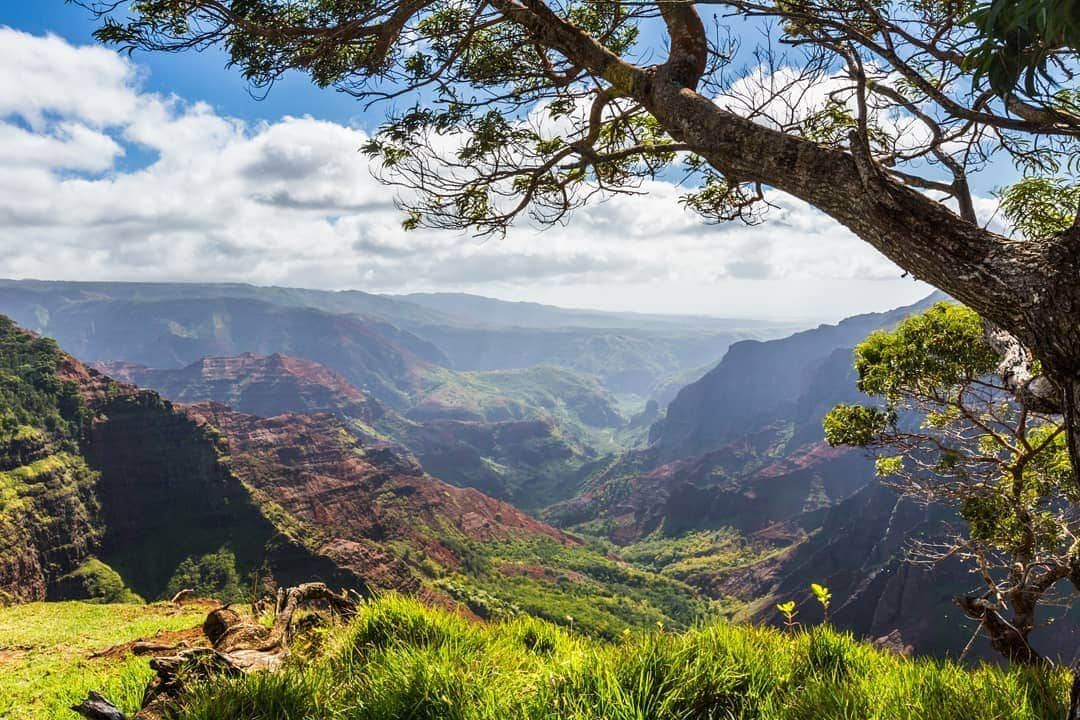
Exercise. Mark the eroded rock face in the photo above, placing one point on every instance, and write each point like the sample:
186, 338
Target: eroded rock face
758, 382
863, 553
529, 463
148, 484
350, 502
260, 385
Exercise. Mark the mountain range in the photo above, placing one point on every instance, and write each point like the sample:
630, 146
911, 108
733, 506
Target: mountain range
494, 457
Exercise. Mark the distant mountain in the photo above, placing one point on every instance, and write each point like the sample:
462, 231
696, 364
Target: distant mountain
630, 353
626, 360
17, 297
743, 447
475, 309
757, 382
375, 356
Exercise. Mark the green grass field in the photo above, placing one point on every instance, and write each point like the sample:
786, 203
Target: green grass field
45, 648
399, 660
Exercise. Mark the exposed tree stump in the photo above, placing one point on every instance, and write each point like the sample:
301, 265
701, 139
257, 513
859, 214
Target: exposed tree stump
239, 646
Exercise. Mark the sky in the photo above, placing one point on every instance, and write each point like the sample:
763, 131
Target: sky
165, 167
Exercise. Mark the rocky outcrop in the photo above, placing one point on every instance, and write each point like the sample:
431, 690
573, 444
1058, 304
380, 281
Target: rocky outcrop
350, 504
720, 489
255, 384
863, 553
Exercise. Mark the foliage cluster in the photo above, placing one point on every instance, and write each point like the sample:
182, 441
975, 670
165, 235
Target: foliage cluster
577, 586
947, 430
32, 397
691, 554
212, 575
101, 583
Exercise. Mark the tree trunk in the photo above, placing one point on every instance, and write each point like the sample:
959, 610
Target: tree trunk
1008, 639
1071, 392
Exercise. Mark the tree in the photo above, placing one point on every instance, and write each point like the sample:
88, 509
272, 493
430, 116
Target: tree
869, 110
945, 430
1022, 38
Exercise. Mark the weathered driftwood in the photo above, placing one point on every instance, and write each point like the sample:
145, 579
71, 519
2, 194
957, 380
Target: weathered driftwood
239, 645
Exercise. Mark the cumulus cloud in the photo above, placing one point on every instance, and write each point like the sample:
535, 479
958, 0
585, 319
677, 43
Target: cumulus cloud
291, 201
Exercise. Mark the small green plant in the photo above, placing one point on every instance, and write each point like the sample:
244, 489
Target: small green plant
823, 596
787, 609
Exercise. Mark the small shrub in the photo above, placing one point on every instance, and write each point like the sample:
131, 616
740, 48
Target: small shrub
96, 581
212, 575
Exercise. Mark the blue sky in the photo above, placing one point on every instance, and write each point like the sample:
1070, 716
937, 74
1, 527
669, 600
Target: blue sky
163, 167
201, 76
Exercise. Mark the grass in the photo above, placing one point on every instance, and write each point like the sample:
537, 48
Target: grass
399, 660
45, 648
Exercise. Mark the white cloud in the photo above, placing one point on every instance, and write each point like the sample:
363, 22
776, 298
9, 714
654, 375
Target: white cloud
41, 75
292, 202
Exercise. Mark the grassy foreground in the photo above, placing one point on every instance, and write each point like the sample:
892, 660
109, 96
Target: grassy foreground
401, 661
45, 648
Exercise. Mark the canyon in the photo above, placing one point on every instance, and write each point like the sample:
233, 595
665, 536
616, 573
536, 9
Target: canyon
446, 447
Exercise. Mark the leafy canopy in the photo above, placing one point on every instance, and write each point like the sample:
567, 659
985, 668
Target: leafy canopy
508, 107
945, 430
1022, 39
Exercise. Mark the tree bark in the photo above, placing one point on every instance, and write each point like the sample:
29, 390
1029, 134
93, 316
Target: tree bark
1072, 424
1006, 638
